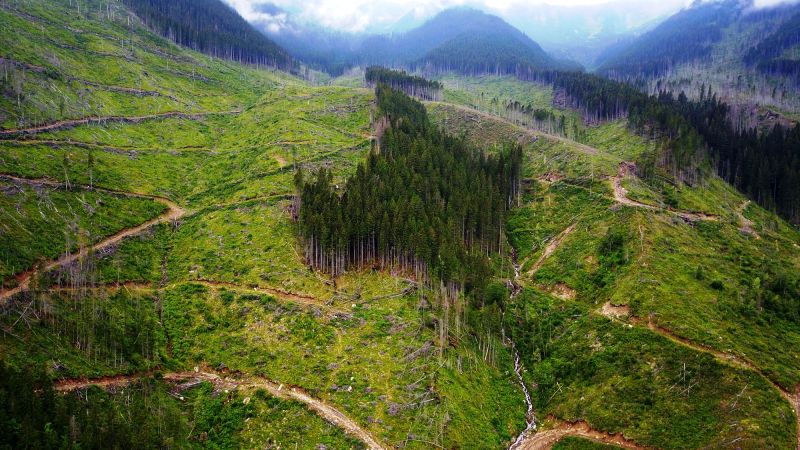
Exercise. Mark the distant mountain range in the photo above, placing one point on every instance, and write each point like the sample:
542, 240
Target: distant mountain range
455, 38
747, 55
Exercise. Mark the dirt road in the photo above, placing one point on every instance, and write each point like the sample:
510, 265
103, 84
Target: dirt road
619, 312
551, 247
544, 440
173, 212
324, 410
626, 169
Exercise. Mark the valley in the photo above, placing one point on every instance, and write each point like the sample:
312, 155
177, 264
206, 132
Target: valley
162, 285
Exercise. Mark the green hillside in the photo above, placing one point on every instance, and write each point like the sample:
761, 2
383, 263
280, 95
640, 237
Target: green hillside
148, 247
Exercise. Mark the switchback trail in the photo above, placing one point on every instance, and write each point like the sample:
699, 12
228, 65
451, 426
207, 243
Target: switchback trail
324, 410
544, 440
70, 123
173, 212
621, 196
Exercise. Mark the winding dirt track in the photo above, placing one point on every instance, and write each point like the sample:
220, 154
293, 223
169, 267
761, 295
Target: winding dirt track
63, 124
545, 440
792, 398
621, 196
550, 248
324, 410
173, 212
286, 296
303, 299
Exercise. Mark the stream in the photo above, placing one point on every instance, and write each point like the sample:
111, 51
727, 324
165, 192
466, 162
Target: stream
530, 416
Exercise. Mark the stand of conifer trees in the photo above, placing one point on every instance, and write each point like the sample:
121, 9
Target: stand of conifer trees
765, 166
211, 27
696, 136
412, 85
424, 203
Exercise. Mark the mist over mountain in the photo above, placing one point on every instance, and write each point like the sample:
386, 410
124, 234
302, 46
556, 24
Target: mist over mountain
478, 224
456, 36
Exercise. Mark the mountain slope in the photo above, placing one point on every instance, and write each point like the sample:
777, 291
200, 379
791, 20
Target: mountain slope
743, 54
458, 37
686, 36
126, 326
211, 27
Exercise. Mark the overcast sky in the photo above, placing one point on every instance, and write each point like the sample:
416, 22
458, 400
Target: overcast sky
366, 15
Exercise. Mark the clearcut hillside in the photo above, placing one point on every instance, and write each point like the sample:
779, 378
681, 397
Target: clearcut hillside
155, 291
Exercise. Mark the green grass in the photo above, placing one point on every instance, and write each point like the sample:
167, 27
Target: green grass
78, 48
377, 357
41, 223
91, 334
376, 362
628, 379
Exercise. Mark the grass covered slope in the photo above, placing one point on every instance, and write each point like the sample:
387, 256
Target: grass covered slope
42, 222
93, 61
220, 314
224, 287
688, 289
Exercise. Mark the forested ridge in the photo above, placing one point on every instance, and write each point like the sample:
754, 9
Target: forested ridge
424, 203
412, 85
460, 38
696, 136
476, 54
765, 166
686, 36
211, 27
599, 99
768, 55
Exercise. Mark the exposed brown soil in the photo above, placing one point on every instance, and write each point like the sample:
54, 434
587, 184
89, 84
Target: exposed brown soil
615, 311
746, 224
302, 299
563, 291
550, 248
550, 177
324, 410
173, 212
612, 312
627, 169
793, 399
544, 440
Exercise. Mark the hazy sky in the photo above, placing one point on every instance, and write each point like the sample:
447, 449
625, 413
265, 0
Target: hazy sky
365, 15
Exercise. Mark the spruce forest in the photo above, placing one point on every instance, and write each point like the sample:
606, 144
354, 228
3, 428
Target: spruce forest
333, 225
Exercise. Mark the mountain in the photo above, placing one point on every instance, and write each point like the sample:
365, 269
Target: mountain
211, 27
745, 54
470, 41
462, 38
201, 253
687, 36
